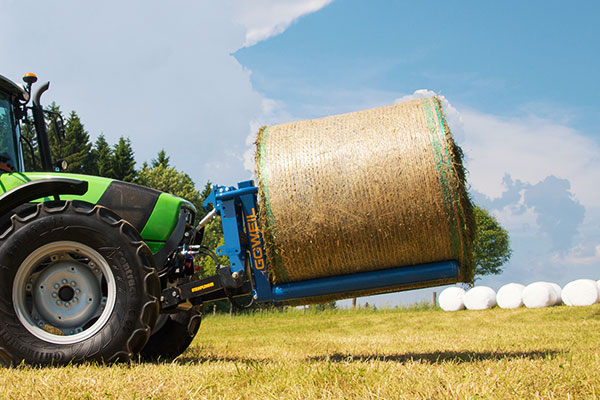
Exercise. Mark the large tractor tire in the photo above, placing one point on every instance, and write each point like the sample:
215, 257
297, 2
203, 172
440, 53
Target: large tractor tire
77, 283
172, 335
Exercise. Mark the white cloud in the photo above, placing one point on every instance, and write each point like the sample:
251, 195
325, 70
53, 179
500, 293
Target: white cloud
529, 149
582, 254
517, 218
272, 112
263, 19
160, 74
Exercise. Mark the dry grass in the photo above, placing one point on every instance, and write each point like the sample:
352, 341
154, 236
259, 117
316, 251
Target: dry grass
548, 353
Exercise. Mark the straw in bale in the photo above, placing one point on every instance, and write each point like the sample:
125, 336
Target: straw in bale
364, 191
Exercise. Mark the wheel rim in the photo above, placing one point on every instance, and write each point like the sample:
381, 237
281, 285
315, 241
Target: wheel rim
64, 292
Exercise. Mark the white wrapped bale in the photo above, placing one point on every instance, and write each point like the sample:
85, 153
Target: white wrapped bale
598, 282
451, 299
538, 295
510, 296
557, 295
582, 292
480, 298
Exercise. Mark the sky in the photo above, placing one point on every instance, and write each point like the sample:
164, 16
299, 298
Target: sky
518, 80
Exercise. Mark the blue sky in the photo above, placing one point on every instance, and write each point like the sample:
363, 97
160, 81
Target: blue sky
503, 57
518, 79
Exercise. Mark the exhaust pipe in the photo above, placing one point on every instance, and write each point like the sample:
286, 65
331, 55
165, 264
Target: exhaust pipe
40, 128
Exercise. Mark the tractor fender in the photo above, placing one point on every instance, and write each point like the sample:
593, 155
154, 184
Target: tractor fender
34, 190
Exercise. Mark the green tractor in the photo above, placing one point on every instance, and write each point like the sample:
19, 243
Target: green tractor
84, 259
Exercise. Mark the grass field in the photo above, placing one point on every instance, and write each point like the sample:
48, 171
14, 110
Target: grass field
551, 353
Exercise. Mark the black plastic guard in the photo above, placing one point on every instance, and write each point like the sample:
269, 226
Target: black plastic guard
131, 202
34, 190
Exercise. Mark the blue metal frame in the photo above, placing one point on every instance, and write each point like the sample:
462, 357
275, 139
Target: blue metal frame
239, 217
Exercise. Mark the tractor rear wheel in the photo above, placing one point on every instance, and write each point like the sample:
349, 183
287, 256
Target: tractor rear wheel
77, 283
172, 335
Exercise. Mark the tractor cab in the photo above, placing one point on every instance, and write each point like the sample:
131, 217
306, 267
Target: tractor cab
12, 99
14, 109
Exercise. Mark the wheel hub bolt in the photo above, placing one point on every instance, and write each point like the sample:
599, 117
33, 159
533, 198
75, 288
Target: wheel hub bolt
77, 291
56, 286
65, 281
73, 283
58, 302
54, 294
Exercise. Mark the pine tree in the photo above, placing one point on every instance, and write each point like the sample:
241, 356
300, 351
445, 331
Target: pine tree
103, 157
76, 147
161, 159
57, 142
123, 161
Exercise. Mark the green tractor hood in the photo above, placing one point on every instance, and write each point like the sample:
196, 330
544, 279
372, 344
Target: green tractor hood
154, 214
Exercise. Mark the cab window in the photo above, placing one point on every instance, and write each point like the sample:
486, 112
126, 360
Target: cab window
8, 144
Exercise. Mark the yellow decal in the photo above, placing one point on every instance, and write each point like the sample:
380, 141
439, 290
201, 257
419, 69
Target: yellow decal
255, 241
206, 286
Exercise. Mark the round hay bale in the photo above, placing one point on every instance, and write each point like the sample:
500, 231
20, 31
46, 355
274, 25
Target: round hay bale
538, 295
510, 295
557, 293
451, 299
480, 298
364, 191
582, 292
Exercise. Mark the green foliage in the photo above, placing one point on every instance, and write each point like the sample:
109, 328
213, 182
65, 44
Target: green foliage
161, 159
169, 180
76, 148
491, 248
31, 154
103, 156
54, 137
323, 307
123, 161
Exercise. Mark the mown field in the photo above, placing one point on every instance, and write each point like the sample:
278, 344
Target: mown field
551, 353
